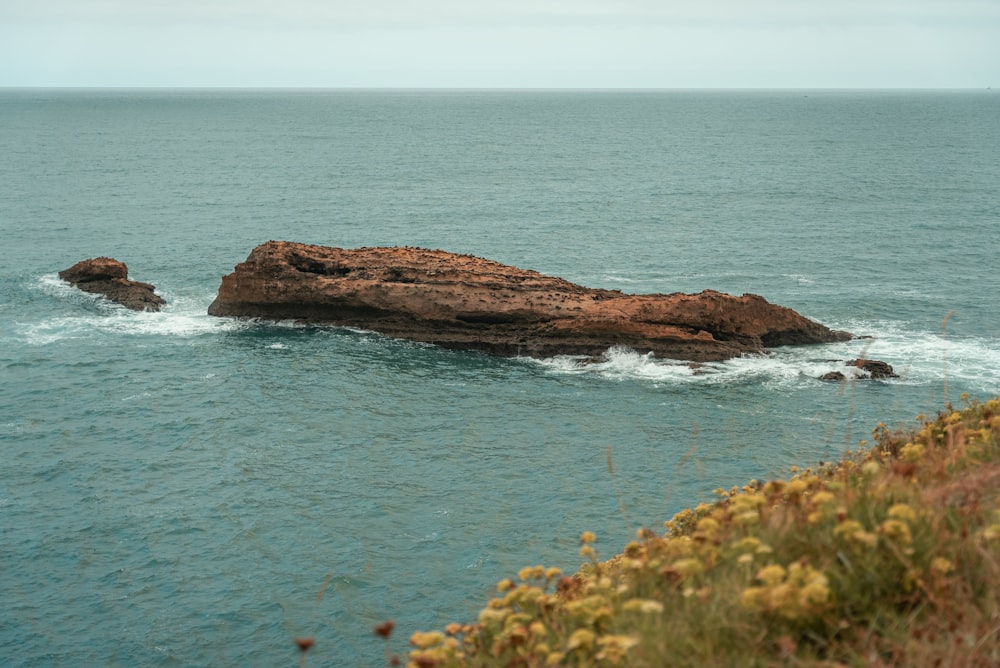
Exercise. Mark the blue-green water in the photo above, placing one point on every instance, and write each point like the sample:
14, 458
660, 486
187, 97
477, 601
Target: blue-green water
177, 489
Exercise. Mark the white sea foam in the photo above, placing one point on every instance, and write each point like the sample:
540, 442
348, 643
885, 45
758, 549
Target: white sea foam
181, 317
613, 278
52, 285
919, 358
128, 323
620, 364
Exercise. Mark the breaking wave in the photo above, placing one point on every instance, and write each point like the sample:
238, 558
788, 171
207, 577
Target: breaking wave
182, 316
919, 358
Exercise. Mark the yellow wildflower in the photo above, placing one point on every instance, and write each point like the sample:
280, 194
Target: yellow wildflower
901, 511
815, 592
433, 657
774, 487
912, 452
651, 607
795, 488
785, 600
614, 647
847, 529
866, 538
822, 498
754, 598
941, 566
516, 620
742, 502
688, 567
771, 575
871, 468
581, 638
707, 525
897, 531
587, 607
588, 537
425, 640
492, 615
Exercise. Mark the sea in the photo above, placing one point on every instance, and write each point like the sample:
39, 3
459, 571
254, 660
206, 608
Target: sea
183, 490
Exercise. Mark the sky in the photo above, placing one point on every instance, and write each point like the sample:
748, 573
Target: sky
501, 44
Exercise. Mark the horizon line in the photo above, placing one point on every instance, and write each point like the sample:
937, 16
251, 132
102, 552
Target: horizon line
495, 88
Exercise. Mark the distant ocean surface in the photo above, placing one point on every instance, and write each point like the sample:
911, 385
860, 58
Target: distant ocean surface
181, 490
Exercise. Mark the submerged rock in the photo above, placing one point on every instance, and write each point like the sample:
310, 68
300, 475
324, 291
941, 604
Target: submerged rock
109, 277
466, 302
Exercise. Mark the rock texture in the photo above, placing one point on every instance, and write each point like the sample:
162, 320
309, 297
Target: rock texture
466, 302
109, 277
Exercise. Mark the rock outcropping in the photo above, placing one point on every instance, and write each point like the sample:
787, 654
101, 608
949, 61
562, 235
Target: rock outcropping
109, 277
466, 302
876, 369
863, 368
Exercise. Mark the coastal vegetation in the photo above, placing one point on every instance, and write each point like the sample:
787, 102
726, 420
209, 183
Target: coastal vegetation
890, 557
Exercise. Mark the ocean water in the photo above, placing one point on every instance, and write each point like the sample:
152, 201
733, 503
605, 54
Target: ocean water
181, 490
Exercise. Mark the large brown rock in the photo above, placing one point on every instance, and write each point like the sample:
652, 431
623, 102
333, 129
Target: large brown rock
466, 302
109, 277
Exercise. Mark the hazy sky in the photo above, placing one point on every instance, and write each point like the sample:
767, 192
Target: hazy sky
503, 43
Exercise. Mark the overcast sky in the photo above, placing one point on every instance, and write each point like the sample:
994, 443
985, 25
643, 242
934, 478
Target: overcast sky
502, 43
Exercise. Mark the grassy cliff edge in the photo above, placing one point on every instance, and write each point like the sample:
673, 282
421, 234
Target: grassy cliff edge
890, 557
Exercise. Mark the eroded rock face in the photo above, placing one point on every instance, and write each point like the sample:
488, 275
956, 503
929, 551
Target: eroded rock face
466, 302
109, 277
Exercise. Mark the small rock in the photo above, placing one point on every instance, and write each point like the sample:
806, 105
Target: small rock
876, 369
109, 277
